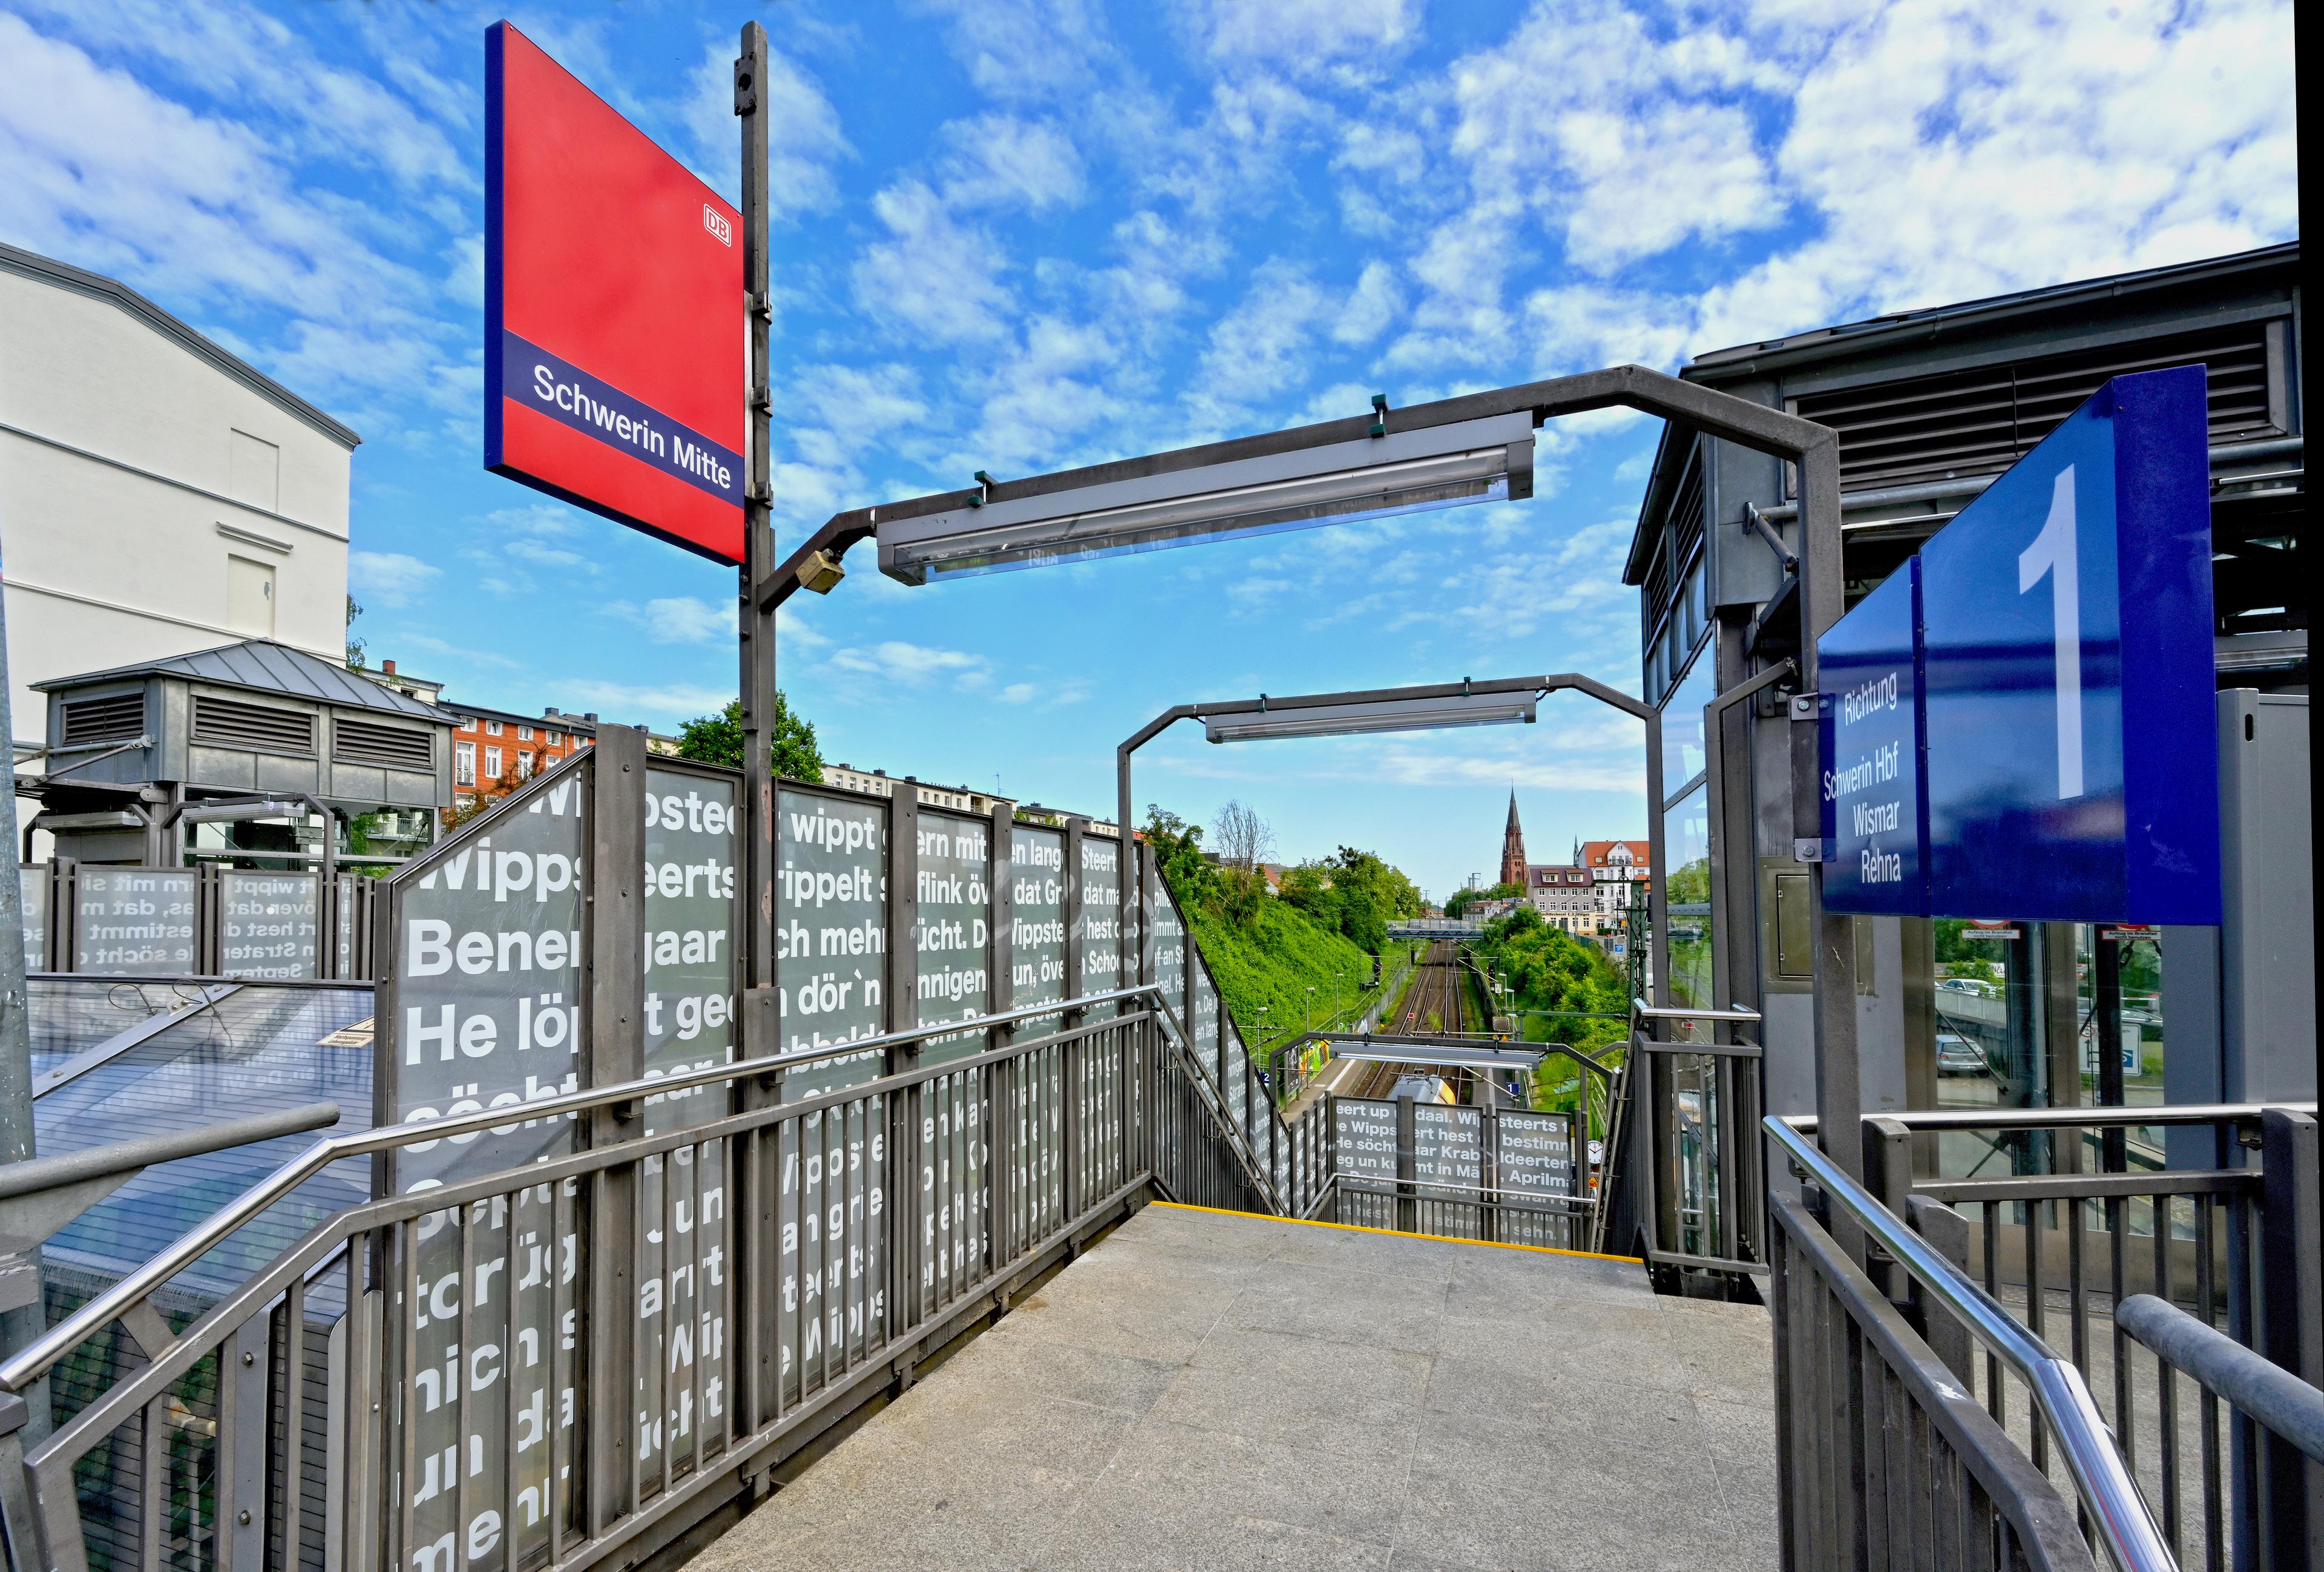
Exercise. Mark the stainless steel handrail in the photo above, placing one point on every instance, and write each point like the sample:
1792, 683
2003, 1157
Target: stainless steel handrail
1673, 1012
61, 1339
2110, 1495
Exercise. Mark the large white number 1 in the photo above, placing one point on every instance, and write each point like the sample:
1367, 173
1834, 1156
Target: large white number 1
2053, 553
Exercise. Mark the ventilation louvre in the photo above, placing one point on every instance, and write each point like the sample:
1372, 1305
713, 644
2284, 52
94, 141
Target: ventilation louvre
117, 718
1981, 421
391, 747
231, 723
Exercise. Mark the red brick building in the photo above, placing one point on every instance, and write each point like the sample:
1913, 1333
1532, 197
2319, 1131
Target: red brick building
496, 750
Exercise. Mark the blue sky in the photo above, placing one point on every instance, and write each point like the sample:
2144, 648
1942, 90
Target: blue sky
1014, 237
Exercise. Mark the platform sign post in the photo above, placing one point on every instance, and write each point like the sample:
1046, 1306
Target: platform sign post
2063, 684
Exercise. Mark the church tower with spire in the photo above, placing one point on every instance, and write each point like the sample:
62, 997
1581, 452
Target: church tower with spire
1513, 858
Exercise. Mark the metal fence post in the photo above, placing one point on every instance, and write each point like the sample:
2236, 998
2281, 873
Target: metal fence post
1000, 956
1075, 1059
2291, 1488
1889, 1175
999, 992
616, 1053
1947, 1231
1408, 1140
1489, 1166
904, 1182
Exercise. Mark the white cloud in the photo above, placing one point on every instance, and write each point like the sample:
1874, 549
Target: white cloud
1018, 693
1261, 347
896, 660
932, 274
245, 57
1622, 133
389, 577
1026, 50
207, 212
1005, 161
1925, 160
1302, 36
1371, 306
804, 139
436, 646
1402, 765
665, 706
679, 620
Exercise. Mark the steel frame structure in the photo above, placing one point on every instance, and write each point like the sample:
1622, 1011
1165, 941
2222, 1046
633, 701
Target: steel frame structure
1812, 449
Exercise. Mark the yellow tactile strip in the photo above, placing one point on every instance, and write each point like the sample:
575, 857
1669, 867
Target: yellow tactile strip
1394, 1234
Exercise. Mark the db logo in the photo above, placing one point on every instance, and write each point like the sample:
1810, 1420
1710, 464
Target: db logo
715, 222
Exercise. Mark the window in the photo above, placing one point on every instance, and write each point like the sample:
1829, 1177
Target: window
1689, 828
525, 733
552, 738
525, 762
491, 764
1684, 753
464, 763
492, 728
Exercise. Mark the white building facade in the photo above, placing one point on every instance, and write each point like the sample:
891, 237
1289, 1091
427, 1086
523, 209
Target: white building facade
158, 495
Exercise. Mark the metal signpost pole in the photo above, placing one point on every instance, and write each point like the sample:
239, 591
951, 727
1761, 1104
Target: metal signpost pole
757, 1025
757, 853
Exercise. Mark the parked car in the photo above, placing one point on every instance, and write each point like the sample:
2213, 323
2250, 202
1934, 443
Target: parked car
1970, 985
1958, 1056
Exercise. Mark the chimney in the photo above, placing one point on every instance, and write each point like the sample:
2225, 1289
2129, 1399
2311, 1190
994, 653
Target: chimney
591, 716
387, 668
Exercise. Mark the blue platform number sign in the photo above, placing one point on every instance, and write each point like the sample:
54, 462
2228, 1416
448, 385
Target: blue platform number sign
1874, 811
2069, 770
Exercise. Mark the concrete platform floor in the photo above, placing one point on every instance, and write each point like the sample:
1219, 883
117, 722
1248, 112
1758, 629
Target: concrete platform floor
1207, 1390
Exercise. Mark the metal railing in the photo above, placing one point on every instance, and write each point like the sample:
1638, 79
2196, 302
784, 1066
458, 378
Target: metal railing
1506, 1202
574, 1362
1694, 1109
2289, 1407
1872, 1418
2236, 1246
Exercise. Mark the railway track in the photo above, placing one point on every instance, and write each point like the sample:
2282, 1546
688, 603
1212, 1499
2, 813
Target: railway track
1439, 1001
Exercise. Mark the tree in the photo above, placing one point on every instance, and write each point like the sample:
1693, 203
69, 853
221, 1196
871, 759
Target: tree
1242, 838
1353, 892
717, 739
1179, 853
1463, 899
354, 644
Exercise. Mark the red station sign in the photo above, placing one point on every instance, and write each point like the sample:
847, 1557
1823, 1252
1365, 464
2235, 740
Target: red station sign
613, 311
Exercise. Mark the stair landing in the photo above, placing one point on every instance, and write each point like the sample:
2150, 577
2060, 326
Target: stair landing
1209, 1390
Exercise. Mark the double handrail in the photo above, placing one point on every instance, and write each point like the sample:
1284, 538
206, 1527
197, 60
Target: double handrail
29, 1365
2110, 1495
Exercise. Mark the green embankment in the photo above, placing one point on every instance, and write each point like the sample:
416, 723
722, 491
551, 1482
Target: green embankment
1567, 991
1273, 960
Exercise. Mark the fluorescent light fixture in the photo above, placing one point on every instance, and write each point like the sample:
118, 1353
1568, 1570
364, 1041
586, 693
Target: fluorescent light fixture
1394, 715
1432, 466
1437, 1053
